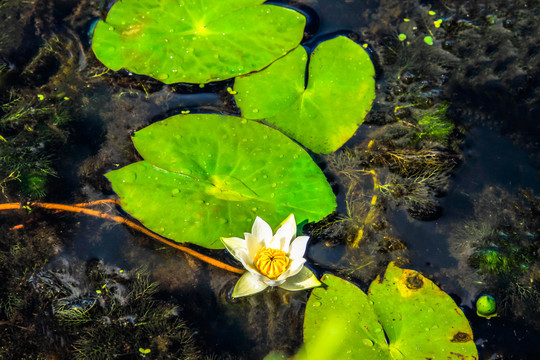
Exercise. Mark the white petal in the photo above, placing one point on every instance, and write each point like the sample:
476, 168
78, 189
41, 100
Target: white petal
249, 266
288, 223
266, 279
298, 247
235, 246
285, 233
248, 285
273, 282
294, 268
305, 279
253, 245
261, 230
275, 243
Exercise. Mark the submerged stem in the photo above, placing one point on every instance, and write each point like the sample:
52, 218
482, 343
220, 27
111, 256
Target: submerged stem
81, 209
372, 213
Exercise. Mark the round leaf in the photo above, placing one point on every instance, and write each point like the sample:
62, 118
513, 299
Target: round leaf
326, 113
340, 323
208, 176
195, 41
419, 318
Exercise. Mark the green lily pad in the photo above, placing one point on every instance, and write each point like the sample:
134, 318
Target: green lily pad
197, 185
340, 321
323, 115
195, 41
419, 320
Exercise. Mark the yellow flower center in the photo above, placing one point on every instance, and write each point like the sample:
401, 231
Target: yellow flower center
271, 262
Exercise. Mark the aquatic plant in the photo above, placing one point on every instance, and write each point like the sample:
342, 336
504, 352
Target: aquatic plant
21, 256
34, 183
30, 137
195, 41
115, 312
435, 125
321, 111
339, 69
404, 315
385, 177
197, 186
502, 257
380, 175
271, 259
500, 246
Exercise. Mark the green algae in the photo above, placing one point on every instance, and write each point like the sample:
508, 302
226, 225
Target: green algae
435, 124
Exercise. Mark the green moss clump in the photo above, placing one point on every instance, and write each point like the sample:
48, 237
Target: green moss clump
491, 261
435, 125
29, 139
503, 255
34, 184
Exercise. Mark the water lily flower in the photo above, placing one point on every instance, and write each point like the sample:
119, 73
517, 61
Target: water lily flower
271, 260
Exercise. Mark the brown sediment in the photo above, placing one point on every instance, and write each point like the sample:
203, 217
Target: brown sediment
81, 209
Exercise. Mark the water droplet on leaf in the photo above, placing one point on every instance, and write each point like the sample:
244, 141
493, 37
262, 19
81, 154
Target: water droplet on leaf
367, 342
162, 77
130, 176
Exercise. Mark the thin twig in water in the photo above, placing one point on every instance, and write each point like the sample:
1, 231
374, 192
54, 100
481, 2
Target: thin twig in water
79, 208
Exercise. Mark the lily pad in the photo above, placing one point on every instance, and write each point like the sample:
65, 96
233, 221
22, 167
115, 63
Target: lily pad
419, 320
197, 185
342, 313
323, 115
195, 41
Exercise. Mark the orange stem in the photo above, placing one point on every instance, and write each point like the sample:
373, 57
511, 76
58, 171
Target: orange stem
10, 206
129, 223
86, 204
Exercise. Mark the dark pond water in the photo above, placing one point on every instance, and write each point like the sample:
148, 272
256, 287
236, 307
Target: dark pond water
462, 194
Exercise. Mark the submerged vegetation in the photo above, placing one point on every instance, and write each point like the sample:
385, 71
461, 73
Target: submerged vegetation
31, 134
84, 310
435, 125
502, 247
399, 166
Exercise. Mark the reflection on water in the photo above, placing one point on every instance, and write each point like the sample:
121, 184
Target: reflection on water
447, 203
